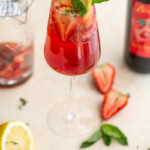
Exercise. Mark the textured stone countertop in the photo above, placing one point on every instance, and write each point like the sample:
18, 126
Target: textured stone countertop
46, 87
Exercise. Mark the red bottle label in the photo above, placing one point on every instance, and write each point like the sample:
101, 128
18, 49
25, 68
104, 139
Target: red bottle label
140, 29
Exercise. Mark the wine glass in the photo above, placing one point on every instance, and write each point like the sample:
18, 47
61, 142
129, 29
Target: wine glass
72, 48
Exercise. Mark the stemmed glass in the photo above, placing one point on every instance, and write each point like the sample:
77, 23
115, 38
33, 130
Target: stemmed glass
72, 48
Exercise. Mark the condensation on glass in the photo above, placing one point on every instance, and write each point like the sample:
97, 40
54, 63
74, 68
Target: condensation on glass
16, 41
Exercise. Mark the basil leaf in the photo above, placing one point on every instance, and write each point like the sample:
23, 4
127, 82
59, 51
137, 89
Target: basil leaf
78, 5
99, 1
93, 139
114, 132
107, 140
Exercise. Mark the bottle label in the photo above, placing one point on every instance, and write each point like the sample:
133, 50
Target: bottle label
140, 29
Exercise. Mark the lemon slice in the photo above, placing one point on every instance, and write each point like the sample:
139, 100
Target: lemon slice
87, 3
15, 135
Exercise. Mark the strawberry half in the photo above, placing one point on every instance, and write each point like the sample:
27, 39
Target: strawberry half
113, 102
104, 76
64, 24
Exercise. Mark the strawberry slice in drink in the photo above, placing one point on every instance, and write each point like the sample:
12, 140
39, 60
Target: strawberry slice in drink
113, 102
65, 23
104, 77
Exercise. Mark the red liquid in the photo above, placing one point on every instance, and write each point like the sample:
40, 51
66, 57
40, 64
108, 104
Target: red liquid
15, 60
78, 53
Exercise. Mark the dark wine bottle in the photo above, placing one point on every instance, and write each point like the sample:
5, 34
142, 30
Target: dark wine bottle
137, 49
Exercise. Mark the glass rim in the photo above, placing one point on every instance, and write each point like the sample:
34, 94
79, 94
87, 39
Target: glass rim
55, 8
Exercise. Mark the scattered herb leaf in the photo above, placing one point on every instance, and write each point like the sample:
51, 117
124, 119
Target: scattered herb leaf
114, 132
23, 103
107, 140
106, 131
93, 139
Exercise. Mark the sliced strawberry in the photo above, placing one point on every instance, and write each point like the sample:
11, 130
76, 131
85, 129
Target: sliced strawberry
64, 24
104, 76
113, 102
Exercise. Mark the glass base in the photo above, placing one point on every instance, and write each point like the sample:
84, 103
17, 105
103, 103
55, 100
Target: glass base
73, 120
4, 82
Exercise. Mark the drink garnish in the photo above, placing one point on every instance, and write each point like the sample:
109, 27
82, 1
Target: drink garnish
113, 102
23, 103
106, 132
103, 76
99, 1
78, 5
82, 6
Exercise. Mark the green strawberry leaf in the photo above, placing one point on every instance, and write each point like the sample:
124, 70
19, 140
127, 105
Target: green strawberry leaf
93, 139
107, 140
114, 132
99, 1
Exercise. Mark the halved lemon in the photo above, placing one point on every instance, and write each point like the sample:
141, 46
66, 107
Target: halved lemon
15, 135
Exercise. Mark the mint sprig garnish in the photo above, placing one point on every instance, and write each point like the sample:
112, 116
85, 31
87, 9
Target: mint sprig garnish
79, 7
93, 139
106, 132
99, 1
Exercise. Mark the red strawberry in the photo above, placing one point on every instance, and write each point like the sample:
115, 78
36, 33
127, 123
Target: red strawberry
104, 76
113, 102
64, 24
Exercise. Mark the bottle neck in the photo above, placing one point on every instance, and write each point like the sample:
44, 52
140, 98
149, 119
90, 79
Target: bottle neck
144, 1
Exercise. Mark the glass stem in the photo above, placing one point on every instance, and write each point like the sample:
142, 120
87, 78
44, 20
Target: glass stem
71, 115
71, 89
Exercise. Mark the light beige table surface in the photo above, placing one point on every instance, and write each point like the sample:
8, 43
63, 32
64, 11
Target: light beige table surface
46, 87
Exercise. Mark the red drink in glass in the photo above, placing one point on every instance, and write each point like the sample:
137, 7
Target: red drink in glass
72, 48
72, 43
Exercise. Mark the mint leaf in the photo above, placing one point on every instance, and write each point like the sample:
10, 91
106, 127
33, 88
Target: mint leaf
122, 141
10, 60
107, 140
93, 139
82, 12
99, 1
78, 5
114, 132
12, 142
23, 103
